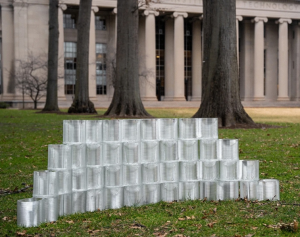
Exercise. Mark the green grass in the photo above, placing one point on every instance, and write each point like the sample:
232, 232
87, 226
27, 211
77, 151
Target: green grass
24, 138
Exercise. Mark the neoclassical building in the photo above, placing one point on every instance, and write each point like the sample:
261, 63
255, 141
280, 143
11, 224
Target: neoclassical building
170, 46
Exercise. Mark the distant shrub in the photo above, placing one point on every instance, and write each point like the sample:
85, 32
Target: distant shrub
3, 105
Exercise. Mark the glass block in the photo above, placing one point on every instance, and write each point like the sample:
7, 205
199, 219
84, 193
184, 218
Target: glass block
187, 128
268, 189
228, 149
59, 157
208, 149
45, 183
150, 173
93, 131
209, 128
113, 175
148, 129
249, 169
94, 155
79, 179
169, 172
229, 170
228, 190
94, 200
114, 197
131, 174
188, 150
112, 153
149, 151
50, 209
248, 189
130, 152
188, 170
29, 212
64, 181
74, 131
168, 150
133, 196
111, 130
167, 129
64, 204
95, 177
208, 190
151, 193
130, 129
208, 170
79, 202
189, 190
170, 192
78, 156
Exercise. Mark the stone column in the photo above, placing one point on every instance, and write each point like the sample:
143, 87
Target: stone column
197, 59
92, 56
150, 56
61, 54
238, 18
283, 93
259, 57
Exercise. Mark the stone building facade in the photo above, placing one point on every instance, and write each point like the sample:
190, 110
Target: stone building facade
170, 46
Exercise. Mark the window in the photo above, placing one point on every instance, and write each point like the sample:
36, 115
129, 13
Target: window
70, 21
101, 51
70, 67
100, 23
187, 59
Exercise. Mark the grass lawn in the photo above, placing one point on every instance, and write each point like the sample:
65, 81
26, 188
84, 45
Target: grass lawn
24, 139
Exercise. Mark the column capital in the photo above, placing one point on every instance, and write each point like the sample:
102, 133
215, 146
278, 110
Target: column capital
283, 20
257, 19
63, 6
239, 18
95, 9
176, 14
20, 3
148, 12
114, 11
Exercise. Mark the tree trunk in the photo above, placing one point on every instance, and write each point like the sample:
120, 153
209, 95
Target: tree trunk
51, 99
126, 100
81, 102
220, 80
35, 104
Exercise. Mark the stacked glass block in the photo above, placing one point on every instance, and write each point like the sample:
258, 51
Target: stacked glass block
108, 164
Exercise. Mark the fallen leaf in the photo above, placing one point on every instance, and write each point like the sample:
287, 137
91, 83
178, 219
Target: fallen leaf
160, 234
5, 218
296, 168
254, 228
21, 233
70, 222
249, 235
215, 210
181, 219
211, 225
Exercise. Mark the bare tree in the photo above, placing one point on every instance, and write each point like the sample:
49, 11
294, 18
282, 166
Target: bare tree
81, 102
220, 82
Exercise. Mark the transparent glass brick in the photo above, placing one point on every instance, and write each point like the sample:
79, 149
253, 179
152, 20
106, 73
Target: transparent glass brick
187, 128
170, 192
169, 172
94, 155
29, 212
45, 183
131, 174
113, 175
112, 153
94, 200
167, 129
59, 157
130, 129
111, 130
133, 196
228, 190
151, 193
188, 150
229, 170
208, 149
249, 170
64, 204
149, 151
189, 190
209, 128
93, 131
79, 202
95, 177
208, 190
64, 181
268, 189
74, 131
78, 155
114, 197
168, 150
228, 149
50, 209
188, 170
79, 179
208, 170
148, 129
131, 152
248, 189
150, 173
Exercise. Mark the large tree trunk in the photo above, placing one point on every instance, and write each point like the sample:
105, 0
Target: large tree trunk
51, 99
126, 100
81, 103
220, 81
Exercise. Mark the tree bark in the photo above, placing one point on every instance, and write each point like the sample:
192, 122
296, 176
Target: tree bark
51, 99
126, 100
220, 76
81, 102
